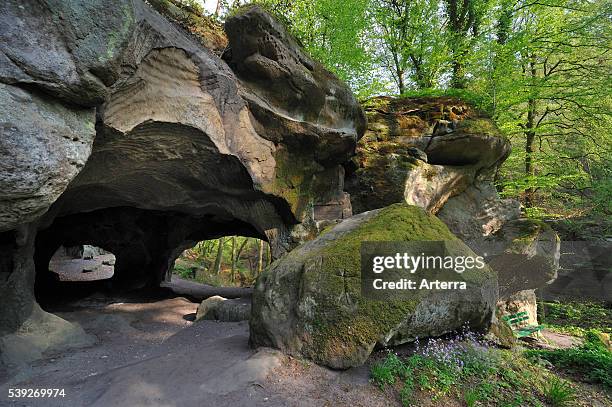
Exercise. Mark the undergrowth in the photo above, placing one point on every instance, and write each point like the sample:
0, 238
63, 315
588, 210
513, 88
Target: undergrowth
592, 361
465, 369
576, 318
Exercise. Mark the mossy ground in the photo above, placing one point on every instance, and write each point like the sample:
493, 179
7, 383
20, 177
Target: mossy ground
576, 317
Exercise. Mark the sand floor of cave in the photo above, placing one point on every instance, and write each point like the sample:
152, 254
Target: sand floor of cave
151, 353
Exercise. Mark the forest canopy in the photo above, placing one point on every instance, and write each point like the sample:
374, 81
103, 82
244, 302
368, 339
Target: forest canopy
540, 68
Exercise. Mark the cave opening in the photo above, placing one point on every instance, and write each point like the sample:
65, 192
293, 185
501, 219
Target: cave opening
229, 261
134, 254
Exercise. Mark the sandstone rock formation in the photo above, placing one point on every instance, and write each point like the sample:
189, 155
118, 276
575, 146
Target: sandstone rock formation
585, 272
441, 154
525, 254
309, 303
125, 129
422, 151
478, 211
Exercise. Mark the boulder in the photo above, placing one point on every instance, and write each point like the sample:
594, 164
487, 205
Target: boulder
221, 309
478, 212
422, 151
527, 256
207, 305
309, 302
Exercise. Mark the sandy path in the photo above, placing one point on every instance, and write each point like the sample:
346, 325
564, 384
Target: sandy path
151, 354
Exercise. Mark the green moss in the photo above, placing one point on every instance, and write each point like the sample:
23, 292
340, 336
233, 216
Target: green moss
342, 318
189, 15
293, 179
479, 101
528, 232
479, 126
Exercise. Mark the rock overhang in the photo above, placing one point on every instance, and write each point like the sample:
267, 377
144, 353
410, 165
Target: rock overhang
172, 140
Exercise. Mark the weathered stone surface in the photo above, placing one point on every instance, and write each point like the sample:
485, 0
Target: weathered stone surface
478, 212
188, 146
309, 303
585, 272
422, 151
221, 309
43, 146
430, 186
42, 333
530, 256
208, 305
209, 32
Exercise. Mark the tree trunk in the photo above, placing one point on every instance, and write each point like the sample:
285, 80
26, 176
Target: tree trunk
233, 257
218, 9
260, 257
530, 138
458, 79
400, 81
219, 258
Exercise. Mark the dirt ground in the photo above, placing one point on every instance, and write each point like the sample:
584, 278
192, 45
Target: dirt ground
150, 353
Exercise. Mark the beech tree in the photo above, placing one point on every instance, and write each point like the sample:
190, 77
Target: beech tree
412, 37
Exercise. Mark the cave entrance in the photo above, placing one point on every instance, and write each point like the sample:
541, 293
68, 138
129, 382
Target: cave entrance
230, 261
82, 263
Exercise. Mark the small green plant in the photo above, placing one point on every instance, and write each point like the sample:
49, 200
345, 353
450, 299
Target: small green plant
471, 397
463, 367
478, 100
575, 318
385, 372
592, 360
559, 393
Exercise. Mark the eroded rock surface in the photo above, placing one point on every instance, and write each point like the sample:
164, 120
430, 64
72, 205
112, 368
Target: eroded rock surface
309, 303
225, 310
478, 212
422, 151
142, 140
43, 145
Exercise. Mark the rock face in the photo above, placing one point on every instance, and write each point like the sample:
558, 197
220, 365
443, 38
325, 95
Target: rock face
441, 154
478, 212
585, 272
140, 139
423, 151
530, 257
43, 146
309, 303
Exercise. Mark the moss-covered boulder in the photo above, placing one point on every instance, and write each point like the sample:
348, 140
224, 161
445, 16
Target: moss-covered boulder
309, 303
